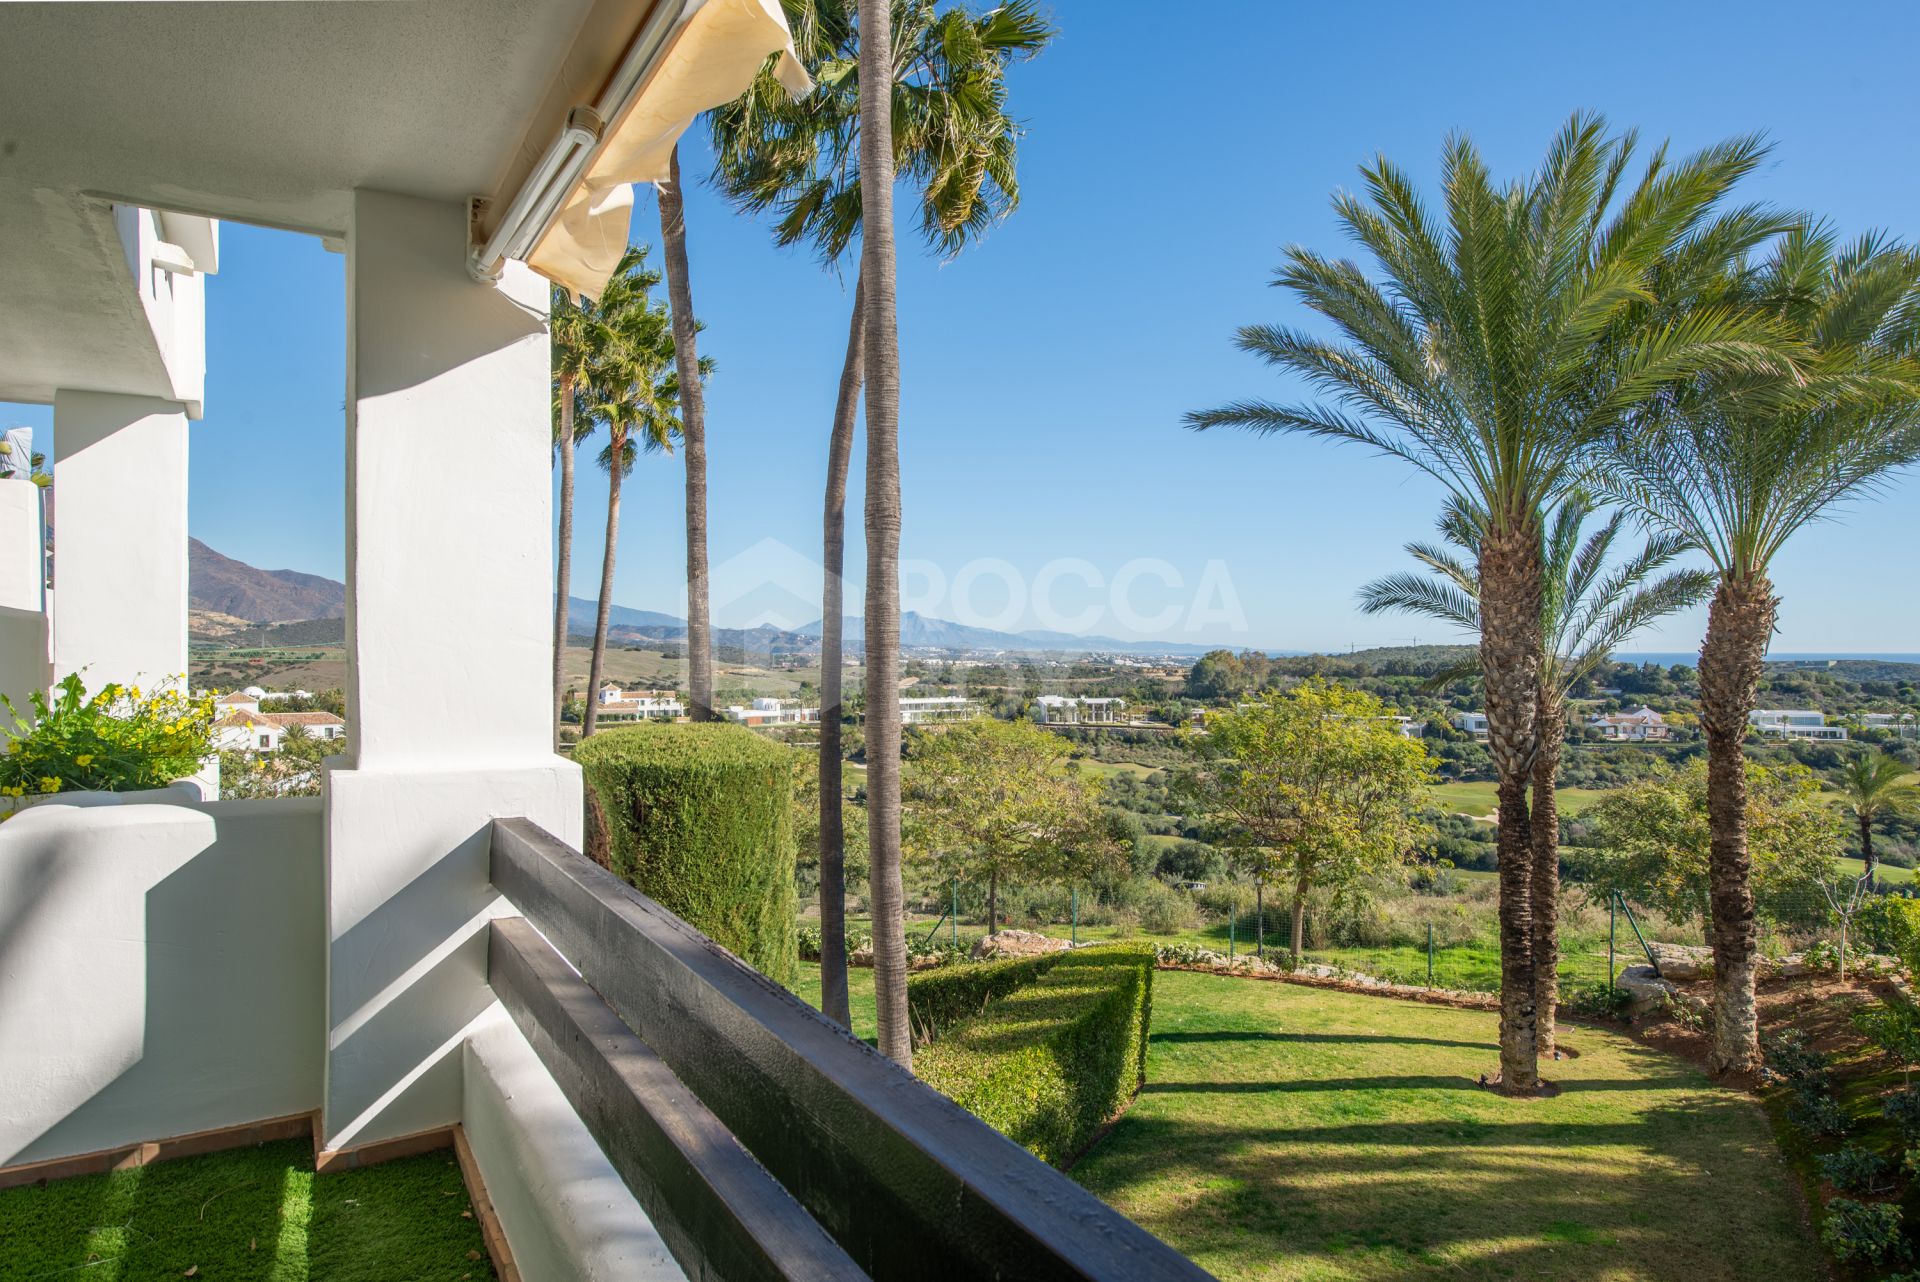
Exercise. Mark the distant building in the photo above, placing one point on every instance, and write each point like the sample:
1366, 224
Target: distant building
638, 705
1067, 710
1642, 725
928, 709
1473, 723
1900, 723
772, 712
240, 725
1408, 727
1795, 723
238, 730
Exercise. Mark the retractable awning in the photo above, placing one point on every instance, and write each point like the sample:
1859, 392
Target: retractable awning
572, 219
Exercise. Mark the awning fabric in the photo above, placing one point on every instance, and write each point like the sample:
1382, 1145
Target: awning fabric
719, 48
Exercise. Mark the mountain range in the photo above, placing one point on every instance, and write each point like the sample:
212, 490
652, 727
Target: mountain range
220, 585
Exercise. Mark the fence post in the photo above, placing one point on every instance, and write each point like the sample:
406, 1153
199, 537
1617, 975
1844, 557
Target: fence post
1075, 892
1610, 924
1233, 919
954, 934
1429, 954
1260, 919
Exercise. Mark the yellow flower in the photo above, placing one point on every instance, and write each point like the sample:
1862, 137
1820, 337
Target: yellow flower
84, 759
49, 784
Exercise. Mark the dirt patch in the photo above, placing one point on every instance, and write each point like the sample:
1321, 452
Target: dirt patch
1818, 1006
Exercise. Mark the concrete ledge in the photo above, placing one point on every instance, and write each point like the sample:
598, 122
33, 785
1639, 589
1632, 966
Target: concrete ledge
561, 1206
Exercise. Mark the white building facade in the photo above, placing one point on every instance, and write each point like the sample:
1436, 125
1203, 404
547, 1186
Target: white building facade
1069, 710
1795, 723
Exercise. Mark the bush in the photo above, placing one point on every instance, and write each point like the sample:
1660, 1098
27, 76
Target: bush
1790, 1055
698, 816
1854, 1170
1890, 924
1865, 1231
1894, 1027
938, 999
1597, 1000
1903, 1110
120, 740
1047, 1064
1818, 1114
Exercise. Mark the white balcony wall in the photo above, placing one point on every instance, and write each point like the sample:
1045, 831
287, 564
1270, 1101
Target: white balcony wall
169, 256
163, 967
23, 619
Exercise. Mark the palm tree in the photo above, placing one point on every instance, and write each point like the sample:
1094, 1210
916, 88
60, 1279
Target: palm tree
800, 159
1588, 611
1735, 465
693, 415
634, 390
1875, 786
881, 354
574, 330
1489, 358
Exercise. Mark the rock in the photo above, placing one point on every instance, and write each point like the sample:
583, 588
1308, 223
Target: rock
1681, 964
1648, 992
1018, 943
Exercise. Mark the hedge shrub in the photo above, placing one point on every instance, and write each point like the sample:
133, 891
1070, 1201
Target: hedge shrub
699, 817
938, 999
1047, 1063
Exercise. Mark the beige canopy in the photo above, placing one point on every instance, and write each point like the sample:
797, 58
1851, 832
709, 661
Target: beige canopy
719, 47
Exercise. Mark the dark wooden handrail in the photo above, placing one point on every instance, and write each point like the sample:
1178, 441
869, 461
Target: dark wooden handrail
909, 1184
716, 1208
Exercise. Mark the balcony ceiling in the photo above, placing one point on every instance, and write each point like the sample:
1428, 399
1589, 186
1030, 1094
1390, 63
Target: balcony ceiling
265, 112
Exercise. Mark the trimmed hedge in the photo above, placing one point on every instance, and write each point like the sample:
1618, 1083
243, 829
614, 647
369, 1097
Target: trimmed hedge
699, 816
1049, 1063
938, 999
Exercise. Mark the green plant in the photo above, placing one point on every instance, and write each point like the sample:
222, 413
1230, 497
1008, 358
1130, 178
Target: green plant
1047, 1064
1164, 910
1818, 1113
697, 816
1682, 1012
1902, 1108
1822, 954
11, 466
1854, 1170
122, 739
1597, 1000
1863, 1231
941, 998
1791, 1056
1894, 1027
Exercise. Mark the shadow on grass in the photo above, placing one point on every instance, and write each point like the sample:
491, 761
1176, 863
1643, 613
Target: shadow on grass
1402, 1082
1330, 1039
1668, 1193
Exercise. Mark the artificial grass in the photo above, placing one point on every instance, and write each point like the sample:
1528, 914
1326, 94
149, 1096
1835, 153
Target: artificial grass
256, 1213
1289, 1134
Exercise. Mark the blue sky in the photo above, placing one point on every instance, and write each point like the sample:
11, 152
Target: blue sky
1046, 371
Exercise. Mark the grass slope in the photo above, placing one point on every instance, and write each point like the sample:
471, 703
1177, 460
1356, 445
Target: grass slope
1296, 1135
255, 1213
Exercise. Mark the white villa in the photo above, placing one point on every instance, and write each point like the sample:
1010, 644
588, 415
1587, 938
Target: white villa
1642, 725
241, 726
1408, 727
1473, 723
1901, 723
1067, 710
927, 709
617, 704
1795, 723
773, 712
420, 958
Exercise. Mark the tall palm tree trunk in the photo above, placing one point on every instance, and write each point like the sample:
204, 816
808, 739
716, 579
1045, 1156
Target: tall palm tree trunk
563, 573
1867, 856
1545, 821
1510, 652
693, 439
882, 357
833, 836
1739, 624
606, 592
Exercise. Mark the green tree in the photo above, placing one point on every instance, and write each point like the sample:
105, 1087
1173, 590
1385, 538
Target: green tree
633, 389
1736, 465
1319, 786
1874, 786
1652, 840
577, 338
998, 799
1592, 604
954, 143
1506, 335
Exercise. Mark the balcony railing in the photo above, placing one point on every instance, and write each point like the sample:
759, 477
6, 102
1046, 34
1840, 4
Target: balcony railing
764, 1140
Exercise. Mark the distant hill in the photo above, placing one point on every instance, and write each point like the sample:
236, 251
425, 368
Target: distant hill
920, 632
581, 616
221, 585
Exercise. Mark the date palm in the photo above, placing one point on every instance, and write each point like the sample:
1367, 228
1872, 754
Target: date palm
1872, 787
1500, 342
575, 336
1736, 465
1592, 603
954, 143
633, 390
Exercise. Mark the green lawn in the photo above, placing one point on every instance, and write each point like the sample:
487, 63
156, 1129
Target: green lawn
1295, 1134
254, 1213
1478, 798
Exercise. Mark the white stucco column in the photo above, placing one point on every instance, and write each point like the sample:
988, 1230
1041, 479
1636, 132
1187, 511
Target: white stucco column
121, 560
449, 621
